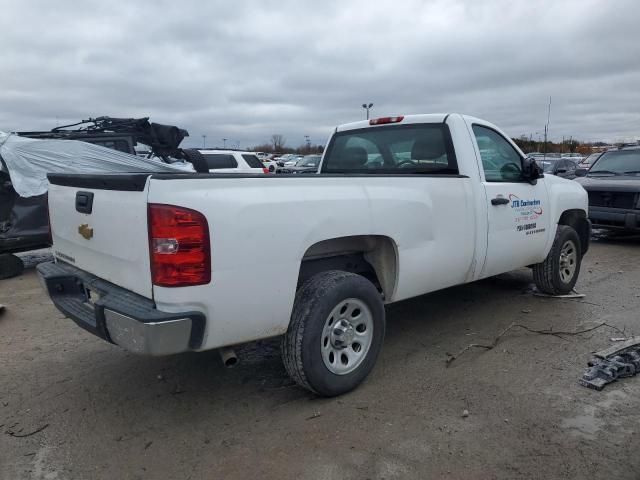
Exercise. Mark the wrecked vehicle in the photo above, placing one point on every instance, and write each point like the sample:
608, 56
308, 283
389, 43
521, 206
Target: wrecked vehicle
99, 145
402, 206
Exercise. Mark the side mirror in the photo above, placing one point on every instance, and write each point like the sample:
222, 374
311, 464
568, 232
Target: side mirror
581, 172
531, 171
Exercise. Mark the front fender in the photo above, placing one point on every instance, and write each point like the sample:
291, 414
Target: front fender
564, 195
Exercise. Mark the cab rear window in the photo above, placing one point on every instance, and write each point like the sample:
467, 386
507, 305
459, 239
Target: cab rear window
406, 149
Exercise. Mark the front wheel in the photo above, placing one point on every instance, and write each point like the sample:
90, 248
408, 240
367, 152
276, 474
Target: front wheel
336, 333
558, 274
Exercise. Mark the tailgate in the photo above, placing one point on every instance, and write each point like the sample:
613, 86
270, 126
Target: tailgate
99, 225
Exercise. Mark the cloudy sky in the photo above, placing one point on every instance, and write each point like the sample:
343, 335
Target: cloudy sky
246, 70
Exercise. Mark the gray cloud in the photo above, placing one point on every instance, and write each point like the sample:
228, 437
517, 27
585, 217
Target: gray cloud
245, 70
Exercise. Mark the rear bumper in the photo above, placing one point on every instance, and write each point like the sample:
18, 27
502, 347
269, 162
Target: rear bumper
118, 315
615, 218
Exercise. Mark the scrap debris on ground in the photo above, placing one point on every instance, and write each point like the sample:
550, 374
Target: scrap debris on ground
615, 362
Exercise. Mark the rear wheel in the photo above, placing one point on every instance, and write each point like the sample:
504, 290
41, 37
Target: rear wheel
336, 333
558, 274
10, 266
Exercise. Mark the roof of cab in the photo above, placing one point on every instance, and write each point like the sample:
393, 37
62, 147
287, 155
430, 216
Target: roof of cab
420, 118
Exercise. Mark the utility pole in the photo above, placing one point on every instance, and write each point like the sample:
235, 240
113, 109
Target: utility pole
546, 129
307, 140
367, 107
204, 142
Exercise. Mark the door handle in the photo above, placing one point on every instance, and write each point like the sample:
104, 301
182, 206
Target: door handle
500, 201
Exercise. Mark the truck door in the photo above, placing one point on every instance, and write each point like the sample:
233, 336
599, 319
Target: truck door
518, 212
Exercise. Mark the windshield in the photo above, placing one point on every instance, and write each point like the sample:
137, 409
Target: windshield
591, 158
617, 163
313, 161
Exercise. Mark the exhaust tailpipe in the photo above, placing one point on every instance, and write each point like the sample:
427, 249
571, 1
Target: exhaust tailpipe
228, 356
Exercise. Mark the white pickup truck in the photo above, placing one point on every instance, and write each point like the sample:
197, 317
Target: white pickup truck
166, 263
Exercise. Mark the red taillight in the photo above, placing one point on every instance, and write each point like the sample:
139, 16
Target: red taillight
179, 246
265, 170
383, 120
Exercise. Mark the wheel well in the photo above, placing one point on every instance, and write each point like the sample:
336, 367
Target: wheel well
577, 219
372, 256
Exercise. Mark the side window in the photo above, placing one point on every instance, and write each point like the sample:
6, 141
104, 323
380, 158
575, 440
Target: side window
500, 161
252, 161
220, 160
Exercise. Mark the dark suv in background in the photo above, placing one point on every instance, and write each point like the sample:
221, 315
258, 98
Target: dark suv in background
613, 185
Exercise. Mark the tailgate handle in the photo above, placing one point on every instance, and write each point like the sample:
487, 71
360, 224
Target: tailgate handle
84, 202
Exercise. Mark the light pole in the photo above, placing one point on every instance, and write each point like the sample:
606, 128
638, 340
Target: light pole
546, 130
367, 107
204, 141
224, 143
307, 140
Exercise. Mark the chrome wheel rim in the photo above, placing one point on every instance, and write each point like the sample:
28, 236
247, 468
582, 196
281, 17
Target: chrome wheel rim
568, 261
346, 336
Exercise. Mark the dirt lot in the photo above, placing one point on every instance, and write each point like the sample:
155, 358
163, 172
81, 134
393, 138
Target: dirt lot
111, 415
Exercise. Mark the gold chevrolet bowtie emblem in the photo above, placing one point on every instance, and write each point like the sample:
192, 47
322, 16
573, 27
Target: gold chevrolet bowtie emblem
86, 231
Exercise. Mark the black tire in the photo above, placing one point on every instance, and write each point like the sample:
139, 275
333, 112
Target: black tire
10, 266
301, 347
547, 274
196, 159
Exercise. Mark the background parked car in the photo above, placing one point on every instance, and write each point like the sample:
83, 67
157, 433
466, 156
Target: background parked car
308, 164
270, 164
232, 161
292, 160
561, 167
589, 160
576, 157
281, 160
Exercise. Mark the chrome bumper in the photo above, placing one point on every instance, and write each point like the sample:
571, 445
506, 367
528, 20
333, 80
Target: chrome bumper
151, 338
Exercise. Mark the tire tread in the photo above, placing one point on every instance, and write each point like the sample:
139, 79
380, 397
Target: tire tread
306, 299
544, 273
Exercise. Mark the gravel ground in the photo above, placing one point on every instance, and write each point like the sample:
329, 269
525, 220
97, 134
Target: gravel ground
108, 415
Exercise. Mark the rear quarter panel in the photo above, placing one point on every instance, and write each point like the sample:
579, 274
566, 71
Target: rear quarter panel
260, 229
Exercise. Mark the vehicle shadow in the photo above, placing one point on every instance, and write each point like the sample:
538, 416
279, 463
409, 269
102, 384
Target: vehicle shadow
201, 377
